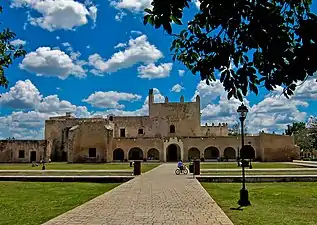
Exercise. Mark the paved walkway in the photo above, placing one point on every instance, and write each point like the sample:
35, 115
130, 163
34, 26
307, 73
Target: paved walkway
158, 197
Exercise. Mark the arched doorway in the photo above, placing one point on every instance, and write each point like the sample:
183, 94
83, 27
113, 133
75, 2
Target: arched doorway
211, 153
229, 153
135, 154
118, 154
247, 152
173, 153
193, 153
153, 154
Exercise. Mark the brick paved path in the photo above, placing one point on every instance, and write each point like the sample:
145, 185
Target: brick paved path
158, 197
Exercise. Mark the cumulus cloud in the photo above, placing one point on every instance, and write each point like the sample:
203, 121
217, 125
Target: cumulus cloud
23, 95
177, 88
51, 62
151, 71
30, 124
131, 5
58, 14
181, 72
111, 99
138, 50
18, 42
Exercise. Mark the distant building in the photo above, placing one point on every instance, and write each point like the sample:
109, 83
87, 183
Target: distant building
170, 132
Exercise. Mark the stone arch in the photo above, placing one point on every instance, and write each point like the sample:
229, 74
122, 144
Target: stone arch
247, 152
173, 153
193, 153
211, 153
118, 154
229, 153
135, 154
153, 154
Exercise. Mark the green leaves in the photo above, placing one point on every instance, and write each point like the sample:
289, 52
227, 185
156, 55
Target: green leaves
8, 53
253, 43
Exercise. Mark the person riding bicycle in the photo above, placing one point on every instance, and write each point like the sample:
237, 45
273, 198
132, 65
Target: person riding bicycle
180, 165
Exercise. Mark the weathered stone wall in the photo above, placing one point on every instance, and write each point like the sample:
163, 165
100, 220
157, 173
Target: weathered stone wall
89, 134
184, 116
57, 131
279, 147
214, 130
10, 150
145, 144
132, 124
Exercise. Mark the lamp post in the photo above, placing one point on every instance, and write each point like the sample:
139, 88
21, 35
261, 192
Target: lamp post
244, 195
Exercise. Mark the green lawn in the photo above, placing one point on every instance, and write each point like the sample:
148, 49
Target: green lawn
34, 203
76, 166
250, 172
226, 165
272, 203
40, 173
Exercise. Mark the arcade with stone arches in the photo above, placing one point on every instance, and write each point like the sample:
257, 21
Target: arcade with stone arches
174, 152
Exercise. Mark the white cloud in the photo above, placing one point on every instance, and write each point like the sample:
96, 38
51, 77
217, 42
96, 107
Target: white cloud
30, 124
18, 42
119, 16
57, 38
139, 50
177, 88
181, 72
23, 95
88, 46
132, 5
151, 71
120, 45
136, 32
110, 99
47, 62
66, 44
58, 14
197, 3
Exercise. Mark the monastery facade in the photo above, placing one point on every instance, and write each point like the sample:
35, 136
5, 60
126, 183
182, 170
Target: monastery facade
170, 132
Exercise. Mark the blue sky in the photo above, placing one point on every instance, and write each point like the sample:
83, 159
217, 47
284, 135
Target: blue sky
96, 58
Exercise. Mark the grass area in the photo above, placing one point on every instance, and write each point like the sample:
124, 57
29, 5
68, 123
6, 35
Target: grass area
40, 173
272, 203
226, 165
32, 203
312, 172
76, 166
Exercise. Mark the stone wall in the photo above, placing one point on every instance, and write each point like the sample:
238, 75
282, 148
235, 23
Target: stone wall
214, 130
89, 141
23, 151
279, 147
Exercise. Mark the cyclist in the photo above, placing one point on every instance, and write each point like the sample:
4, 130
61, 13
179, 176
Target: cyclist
180, 165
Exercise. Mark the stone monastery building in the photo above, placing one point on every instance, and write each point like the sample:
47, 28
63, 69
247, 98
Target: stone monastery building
170, 132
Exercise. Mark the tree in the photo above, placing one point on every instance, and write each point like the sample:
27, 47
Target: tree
270, 42
8, 53
235, 130
302, 135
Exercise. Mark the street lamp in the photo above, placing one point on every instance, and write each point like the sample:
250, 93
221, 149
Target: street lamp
244, 195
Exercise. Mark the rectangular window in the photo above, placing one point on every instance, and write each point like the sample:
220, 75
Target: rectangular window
21, 154
122, 132
92, 152
140, 131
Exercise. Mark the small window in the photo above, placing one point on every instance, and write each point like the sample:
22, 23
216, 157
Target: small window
122, 132
21, 154
92, 152
172, 129
140, 131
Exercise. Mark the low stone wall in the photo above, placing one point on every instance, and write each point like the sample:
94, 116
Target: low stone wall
94, 179
258, 179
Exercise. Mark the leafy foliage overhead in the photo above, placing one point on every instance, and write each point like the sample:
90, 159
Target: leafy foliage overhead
254, 43
8, 52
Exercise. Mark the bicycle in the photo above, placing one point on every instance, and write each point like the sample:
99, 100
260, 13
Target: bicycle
184, 171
